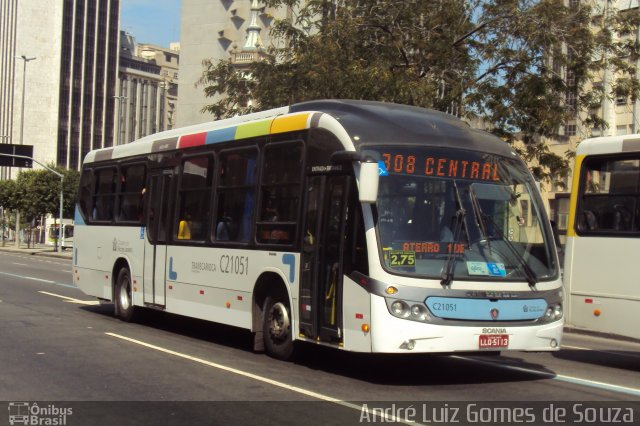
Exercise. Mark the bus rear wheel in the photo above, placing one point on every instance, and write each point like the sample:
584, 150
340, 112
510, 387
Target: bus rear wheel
278, 341
123, 299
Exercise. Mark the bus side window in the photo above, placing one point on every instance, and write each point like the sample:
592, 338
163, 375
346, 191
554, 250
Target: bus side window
194, 198
280, 191
236, 194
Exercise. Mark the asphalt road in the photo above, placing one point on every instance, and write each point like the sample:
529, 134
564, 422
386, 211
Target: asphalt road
64, 350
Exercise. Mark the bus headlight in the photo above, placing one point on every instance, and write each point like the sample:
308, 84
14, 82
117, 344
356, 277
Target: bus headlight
553, 312
549, 313
414, 311
557, 311
419, 313
400, 309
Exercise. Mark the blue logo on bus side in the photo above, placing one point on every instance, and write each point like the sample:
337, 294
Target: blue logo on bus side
142, 232
289, 259
173, 275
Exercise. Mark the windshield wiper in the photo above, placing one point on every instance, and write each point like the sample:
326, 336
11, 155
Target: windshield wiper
528, 272
477, 210
447, 271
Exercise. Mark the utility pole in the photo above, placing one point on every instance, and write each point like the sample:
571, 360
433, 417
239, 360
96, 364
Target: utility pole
24, 81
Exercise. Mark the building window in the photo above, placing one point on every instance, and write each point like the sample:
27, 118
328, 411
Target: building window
621, 130
570, 130
570, 100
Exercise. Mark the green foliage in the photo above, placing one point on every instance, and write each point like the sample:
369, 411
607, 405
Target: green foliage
7, 194
37, 192
503, 61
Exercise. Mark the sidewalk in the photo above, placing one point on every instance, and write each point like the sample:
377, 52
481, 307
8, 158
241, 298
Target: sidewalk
37, 249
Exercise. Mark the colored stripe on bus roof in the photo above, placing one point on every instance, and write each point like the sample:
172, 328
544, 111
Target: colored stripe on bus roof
290, 123
250, 130
221, 135
281, 124
195, 139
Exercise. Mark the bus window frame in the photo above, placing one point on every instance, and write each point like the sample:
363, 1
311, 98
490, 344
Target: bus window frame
94, 195
86, 215
581, 195
253, 145
173, 238
300, 193
136, 161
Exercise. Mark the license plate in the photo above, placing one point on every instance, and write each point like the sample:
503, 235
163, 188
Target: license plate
492, 341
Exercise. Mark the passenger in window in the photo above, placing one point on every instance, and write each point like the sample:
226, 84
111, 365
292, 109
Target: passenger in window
225, 229
184, 230
271, 213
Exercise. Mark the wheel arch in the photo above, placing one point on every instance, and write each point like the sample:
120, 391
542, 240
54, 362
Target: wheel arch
269, 283
120, 263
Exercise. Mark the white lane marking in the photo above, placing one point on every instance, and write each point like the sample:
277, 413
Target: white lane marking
21, 264
71, 299
621, 354
559, 377
37, 279
272, 382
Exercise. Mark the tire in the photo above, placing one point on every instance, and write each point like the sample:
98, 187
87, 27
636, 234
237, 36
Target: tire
123, 300
276, 326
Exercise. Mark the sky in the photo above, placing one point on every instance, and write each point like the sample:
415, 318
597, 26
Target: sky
151, 21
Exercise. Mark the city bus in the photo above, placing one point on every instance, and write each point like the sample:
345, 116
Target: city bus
52, 236
601, 270
363, 226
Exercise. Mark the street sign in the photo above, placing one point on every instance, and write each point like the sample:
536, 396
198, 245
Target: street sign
6, 150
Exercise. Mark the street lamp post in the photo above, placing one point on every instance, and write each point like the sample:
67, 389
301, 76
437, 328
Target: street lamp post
24, 80
120, 99
6, 137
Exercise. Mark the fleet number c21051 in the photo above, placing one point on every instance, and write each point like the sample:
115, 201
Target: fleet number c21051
237, 265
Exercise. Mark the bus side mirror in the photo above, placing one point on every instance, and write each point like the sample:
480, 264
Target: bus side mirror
368, 181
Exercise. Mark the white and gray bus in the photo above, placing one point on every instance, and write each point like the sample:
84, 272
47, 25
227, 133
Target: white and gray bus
602, 268
365, 226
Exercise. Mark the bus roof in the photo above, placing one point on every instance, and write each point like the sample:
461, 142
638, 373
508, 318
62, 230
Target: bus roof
365, 122
609, 145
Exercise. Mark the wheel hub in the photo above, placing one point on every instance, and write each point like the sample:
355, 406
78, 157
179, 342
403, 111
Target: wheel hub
279, 323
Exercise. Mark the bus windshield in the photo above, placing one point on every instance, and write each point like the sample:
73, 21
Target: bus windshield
460, 215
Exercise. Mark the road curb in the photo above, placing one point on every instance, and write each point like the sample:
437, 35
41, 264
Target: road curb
38, 252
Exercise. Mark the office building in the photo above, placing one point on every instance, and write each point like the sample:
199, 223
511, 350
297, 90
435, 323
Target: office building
70, 85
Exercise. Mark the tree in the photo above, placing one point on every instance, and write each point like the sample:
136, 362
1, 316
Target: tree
503, 61
7, 194
38, 192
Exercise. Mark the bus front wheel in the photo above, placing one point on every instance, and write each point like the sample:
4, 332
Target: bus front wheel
123, 299
278, 341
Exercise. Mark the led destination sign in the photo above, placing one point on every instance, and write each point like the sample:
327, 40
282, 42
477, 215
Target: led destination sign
442, 163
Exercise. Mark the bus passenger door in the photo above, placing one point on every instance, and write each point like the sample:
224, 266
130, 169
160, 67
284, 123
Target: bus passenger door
322, 257
155, 252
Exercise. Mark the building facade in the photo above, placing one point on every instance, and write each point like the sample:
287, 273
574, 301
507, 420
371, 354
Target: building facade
147, 89
218, 30
69, 87
621, 113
